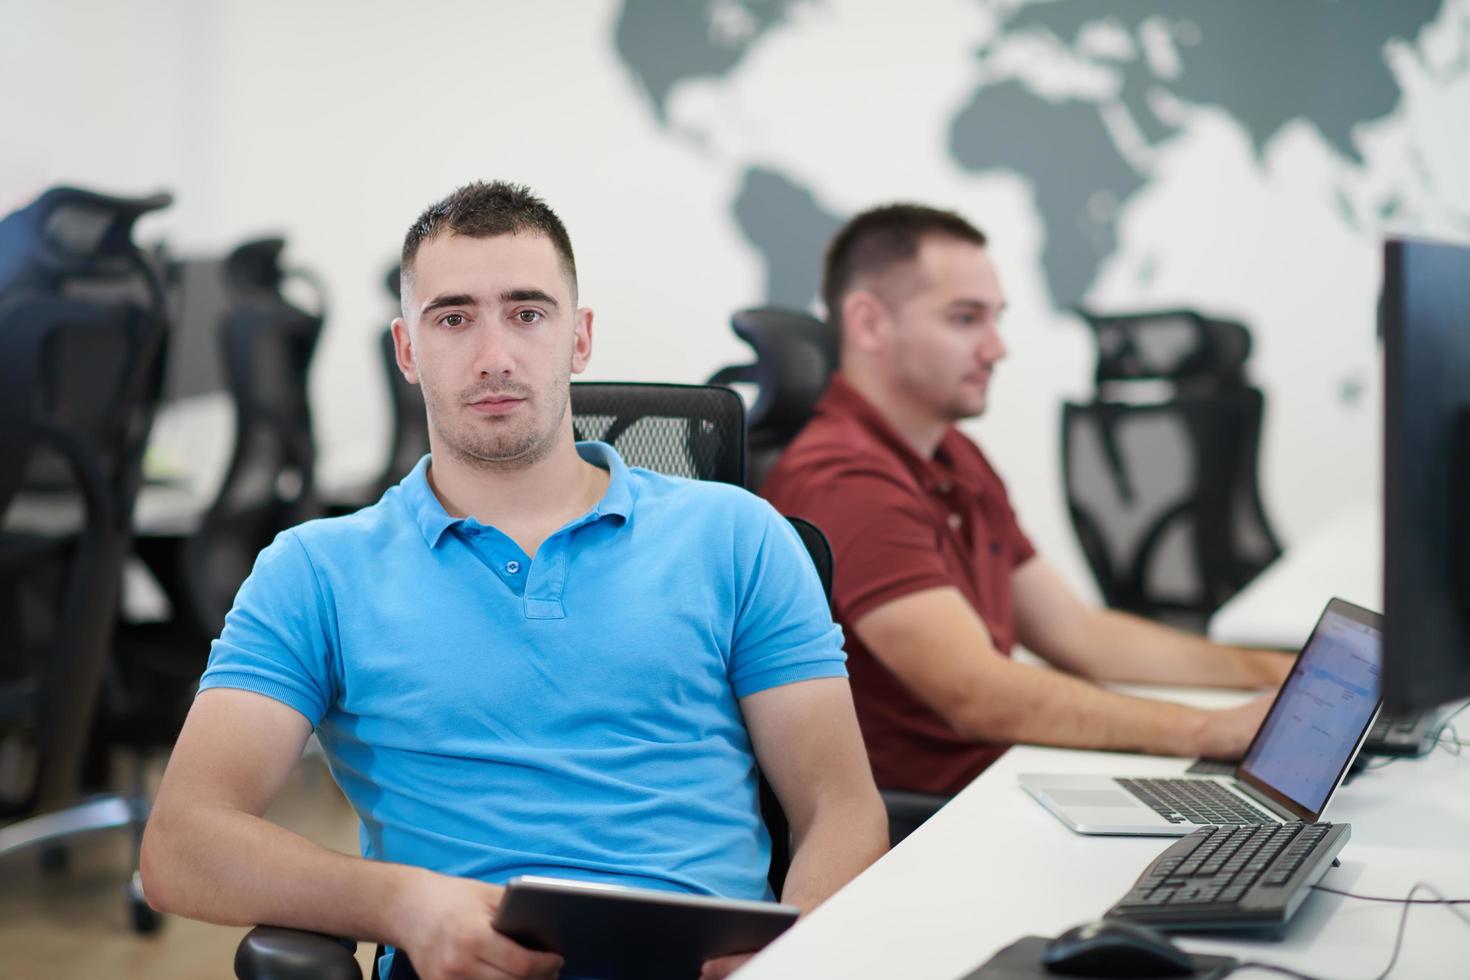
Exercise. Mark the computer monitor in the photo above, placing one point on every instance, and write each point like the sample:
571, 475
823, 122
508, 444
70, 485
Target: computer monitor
1425, 320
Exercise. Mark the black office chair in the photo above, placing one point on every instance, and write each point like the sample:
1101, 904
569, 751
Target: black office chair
81, 316
270, 484
693, 431
266, 345
410, 424
408, 433
795, 356
1163, 490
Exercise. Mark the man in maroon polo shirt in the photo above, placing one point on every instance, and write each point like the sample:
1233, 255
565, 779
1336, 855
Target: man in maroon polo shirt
934, 578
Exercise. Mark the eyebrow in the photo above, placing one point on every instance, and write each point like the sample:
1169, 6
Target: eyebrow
447, 299
509, 296
978, 303
528, 296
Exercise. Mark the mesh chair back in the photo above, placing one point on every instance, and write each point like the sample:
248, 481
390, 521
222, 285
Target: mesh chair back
1164, 498
267, 344
693, 431
1163, 489
71, 240
78, 388
795, 357
1187, 348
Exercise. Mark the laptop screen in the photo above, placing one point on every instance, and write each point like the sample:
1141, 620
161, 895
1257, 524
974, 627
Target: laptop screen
1323, 711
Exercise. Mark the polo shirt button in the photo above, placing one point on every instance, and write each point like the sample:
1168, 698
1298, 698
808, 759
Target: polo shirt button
945, 486
955, 521
512, 567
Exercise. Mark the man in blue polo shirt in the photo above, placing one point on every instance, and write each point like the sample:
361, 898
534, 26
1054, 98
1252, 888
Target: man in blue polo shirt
525, 658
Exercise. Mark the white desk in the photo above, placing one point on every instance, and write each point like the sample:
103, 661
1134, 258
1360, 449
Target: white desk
954, 893
1344, 558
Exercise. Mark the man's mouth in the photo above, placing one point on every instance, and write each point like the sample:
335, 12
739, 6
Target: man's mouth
496, 404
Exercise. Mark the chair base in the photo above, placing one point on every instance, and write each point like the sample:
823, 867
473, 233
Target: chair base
99, 813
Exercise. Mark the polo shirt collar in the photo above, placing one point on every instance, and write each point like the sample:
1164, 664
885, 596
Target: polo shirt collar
433, 520
938, 474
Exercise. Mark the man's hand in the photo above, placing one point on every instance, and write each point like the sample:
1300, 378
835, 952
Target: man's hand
1227, 733
449, 936
719, 969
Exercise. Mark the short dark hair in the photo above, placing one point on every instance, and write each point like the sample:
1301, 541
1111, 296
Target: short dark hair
481, 210
879, 239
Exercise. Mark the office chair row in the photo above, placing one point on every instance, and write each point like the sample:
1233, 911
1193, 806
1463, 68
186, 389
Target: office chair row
82, 317
85, 314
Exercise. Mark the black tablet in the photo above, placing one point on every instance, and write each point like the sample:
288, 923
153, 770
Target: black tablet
616, 933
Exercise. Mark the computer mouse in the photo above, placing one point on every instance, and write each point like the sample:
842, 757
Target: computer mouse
1113, 948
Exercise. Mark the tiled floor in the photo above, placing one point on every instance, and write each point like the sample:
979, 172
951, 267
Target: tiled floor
75, 925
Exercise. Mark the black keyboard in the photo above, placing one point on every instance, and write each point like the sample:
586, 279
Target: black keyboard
1195, 801
1403, 735
1233, 877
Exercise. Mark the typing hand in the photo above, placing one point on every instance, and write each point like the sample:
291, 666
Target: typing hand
1228, 733
718, 969
449, 934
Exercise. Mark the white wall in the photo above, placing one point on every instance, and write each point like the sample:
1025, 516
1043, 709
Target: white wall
334, 123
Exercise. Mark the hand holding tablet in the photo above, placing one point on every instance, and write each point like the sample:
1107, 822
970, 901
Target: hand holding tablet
619, 933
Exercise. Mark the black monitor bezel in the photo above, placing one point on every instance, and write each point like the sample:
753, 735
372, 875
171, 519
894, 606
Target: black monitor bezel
1424, 318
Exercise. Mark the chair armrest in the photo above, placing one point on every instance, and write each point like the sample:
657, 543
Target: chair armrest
273, 953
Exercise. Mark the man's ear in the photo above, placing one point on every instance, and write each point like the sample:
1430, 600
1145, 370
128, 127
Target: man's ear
581, 339
863, 318
403, 351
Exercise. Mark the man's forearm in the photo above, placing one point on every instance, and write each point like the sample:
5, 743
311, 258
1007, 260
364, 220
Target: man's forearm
1034, 705
1125, 648
842, 840
225, 866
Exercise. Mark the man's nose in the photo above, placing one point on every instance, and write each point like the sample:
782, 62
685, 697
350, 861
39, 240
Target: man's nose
492, 353
992, 347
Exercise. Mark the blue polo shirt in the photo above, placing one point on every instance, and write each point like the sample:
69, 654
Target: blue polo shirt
576, 714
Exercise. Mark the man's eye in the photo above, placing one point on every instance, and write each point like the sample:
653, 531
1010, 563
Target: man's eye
528, 316
454, 320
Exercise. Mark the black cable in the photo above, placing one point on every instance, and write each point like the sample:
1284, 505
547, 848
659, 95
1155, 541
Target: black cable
1453, 745
1450, 740
1446, 737
1395, 901
1270, 967
1398, 940
1408, 902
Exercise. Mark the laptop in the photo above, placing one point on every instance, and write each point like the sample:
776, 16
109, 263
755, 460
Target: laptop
1298, 758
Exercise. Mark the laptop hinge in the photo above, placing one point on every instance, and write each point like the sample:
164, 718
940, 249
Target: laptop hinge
1276, 809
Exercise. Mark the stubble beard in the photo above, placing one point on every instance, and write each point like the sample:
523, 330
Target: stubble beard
500, 444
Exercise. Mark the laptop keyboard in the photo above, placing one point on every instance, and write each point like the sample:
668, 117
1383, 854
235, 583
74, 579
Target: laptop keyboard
1194, 801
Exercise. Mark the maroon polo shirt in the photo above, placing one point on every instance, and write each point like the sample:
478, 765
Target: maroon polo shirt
899, 524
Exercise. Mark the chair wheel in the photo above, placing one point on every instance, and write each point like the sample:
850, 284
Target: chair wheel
144, 919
